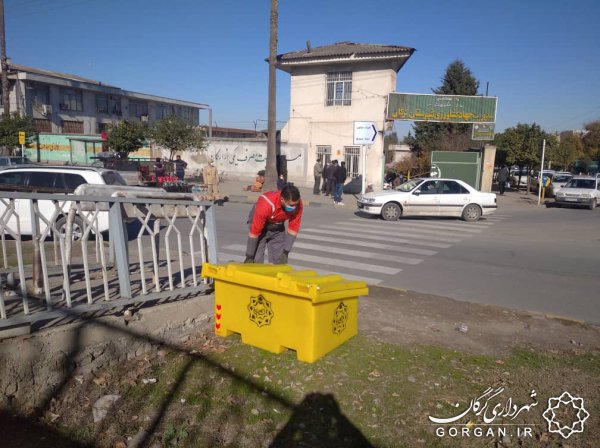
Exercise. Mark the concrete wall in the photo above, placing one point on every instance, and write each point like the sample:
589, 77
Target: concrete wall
313, 123
32, 366
243, 158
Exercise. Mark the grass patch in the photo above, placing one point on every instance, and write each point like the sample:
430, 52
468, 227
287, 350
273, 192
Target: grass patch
364, 392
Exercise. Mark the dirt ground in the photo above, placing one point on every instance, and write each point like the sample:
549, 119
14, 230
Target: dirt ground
406, 317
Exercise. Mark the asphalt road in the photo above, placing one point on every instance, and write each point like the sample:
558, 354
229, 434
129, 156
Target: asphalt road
524, 257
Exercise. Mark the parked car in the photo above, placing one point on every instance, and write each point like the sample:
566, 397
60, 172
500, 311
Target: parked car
53, 179
559, 180
13, 160
580, 191
429, 197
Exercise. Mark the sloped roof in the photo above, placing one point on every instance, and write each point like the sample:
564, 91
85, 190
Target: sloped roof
41, 71
344, 52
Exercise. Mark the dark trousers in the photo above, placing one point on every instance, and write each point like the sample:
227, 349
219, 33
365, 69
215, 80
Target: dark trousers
324, 187
272, 240
317, 186
502, 187
330, 186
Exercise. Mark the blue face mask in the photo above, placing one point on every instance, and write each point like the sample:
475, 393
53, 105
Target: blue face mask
289, 208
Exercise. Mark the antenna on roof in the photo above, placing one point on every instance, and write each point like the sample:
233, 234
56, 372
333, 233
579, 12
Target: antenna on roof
308, 47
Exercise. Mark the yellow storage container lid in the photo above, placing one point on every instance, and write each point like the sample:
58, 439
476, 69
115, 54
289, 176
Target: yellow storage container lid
283, 279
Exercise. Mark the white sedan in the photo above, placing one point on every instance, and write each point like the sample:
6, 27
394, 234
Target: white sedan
429, 197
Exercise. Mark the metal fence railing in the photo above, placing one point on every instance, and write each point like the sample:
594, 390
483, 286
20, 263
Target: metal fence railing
100, 249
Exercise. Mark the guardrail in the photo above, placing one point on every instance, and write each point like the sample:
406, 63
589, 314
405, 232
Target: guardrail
65, 264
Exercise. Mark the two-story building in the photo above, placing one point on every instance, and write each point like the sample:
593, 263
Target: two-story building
334, 86
70, 112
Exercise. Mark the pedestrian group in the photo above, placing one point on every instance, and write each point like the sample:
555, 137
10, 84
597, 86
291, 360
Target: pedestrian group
333, 177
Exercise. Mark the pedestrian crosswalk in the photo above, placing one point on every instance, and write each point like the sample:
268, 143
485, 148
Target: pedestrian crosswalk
371, 250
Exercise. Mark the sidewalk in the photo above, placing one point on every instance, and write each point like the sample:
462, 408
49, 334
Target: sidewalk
233, 190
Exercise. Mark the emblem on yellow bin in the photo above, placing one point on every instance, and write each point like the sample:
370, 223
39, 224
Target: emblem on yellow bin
340, 317
260, 311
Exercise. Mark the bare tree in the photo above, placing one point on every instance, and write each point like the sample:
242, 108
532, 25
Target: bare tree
271, 172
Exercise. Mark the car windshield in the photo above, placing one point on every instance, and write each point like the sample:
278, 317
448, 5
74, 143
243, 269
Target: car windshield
409, 185
20, 161
561, 178
581, 183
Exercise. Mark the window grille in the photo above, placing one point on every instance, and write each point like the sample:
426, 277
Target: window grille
352, 158
339, 89
42, 125
324, 153
72, 127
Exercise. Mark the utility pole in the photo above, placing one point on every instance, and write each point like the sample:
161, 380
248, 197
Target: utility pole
271, 171
4, 64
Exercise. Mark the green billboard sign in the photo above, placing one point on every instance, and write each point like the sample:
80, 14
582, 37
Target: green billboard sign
442, 108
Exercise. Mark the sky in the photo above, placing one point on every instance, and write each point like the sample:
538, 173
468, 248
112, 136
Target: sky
540, 58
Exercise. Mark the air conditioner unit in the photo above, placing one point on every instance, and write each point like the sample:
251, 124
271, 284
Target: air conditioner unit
46, 109
144, 118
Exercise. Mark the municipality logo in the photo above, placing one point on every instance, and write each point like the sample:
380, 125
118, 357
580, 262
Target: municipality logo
561, 405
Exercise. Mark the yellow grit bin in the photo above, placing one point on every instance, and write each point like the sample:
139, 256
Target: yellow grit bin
274, 307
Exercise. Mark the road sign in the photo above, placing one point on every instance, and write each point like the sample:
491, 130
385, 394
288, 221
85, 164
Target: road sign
482, 131
21, 138
442, 108
364, 132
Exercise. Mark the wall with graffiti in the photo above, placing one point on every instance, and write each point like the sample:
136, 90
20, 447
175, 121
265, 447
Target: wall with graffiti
69, 148
243, 158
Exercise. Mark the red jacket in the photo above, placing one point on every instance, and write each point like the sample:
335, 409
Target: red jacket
268, 210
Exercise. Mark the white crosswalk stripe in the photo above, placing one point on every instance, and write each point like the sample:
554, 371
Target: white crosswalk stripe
387, 238
370, 244
360, 245
348, 264
428, 234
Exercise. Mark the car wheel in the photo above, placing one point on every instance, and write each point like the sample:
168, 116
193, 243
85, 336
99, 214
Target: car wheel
592, 206
391, 212
471, 213
77, 232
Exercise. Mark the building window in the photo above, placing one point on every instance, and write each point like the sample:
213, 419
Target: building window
42, 125
324, 153
163, 111
40, 94
108, 104
138, 108
102, 127
72, 127
71, 99
352, 157
339, 89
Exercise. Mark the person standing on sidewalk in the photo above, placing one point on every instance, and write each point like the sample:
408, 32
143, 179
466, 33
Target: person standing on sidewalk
331, 178
211, 180
267, 225
502, 179
325, 175
340, 178
180, 166
317, 172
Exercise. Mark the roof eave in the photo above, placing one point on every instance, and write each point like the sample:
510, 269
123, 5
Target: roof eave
289, 65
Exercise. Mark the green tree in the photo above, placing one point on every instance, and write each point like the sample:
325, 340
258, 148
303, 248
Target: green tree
127, 136
9, 131
457, 80
569, 149
177, 135
522, 145
591, 140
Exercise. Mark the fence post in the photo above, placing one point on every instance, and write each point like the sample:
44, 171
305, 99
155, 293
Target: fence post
211, 234
37, 256
119, 240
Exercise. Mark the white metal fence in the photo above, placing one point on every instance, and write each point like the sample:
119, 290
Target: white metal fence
56, 256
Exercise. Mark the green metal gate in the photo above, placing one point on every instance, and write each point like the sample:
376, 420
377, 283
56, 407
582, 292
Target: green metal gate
465, 166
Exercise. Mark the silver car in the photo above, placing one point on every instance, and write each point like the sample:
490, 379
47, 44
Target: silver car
582, 191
